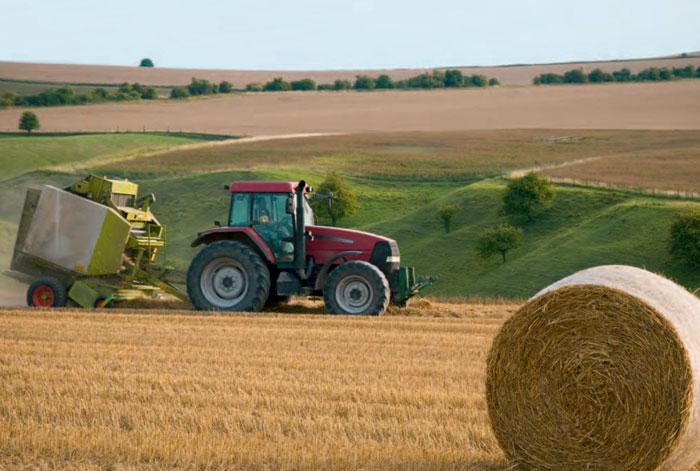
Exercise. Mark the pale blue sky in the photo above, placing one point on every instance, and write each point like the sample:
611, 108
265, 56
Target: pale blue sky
315, 34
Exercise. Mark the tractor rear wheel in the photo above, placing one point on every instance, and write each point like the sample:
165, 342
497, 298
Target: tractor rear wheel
47, 292
228, 276
358, 288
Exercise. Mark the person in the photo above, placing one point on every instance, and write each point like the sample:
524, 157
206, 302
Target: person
262, 215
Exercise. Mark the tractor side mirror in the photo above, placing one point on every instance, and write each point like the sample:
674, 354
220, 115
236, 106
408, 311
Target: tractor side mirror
290, 205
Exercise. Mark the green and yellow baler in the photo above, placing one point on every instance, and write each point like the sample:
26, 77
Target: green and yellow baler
91, 243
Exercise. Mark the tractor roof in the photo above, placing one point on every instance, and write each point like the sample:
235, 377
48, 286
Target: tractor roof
263, 187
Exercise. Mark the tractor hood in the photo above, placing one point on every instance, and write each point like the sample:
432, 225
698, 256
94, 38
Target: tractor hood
327, 241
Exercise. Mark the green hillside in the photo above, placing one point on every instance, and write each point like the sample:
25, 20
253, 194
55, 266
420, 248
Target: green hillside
584, 227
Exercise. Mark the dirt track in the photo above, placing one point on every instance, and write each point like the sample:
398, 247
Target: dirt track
674, 105
508, 75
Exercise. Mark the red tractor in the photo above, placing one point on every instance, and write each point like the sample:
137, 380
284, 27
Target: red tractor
271, 250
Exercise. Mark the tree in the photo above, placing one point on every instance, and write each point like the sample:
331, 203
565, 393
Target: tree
225, 86
685, 238
344, 202
277, 84
201, 87
528, 196
28, 122
146, 62
493, 82
478, 81
254, 87
499, 240
445, 214
179, 93
303, 84
364, 82
384, 82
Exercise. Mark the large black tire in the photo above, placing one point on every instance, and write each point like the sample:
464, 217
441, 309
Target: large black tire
47, 292
228, 276
356, 288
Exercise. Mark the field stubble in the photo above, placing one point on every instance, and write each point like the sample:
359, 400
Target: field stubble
266, 391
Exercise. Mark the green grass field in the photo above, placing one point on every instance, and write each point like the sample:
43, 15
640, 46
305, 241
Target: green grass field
585, 226
34, 87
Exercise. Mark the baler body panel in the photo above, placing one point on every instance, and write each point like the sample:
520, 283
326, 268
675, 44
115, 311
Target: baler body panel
75, 233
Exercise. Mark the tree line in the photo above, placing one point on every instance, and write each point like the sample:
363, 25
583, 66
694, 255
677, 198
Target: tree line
69, 96
451, 78
651, 74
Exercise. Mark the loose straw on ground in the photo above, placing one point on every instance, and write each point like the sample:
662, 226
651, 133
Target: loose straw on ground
600, 370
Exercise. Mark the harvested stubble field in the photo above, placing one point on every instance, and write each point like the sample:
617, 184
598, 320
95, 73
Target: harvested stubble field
137, 390
669, 105
103, 74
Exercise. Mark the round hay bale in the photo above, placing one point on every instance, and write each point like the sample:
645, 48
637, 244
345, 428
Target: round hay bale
600, 370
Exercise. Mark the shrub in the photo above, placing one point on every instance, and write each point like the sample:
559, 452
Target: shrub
384, 82
276, 85
179, 93
325, 86
499, 240
546, 79
575, 76
364, 82
445, 214
685, 238
344, 202
149, 93
342, 85
28, 122
623, 75
478, 81
8, 99
422, 81
665, 74
254, 87
146, 63
684, 72
598, 76
201, 87
453, 78
225, 86
494, 82
527, 196
303, 84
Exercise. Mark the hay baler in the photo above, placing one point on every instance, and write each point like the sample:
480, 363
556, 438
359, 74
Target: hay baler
91, 243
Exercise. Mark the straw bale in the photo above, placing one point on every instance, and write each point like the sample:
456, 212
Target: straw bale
600, 370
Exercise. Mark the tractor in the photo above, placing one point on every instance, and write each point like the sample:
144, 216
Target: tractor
271, 249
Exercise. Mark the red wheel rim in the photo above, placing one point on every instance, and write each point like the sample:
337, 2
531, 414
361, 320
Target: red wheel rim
43, 296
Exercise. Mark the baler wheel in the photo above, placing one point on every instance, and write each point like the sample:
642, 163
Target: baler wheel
228, 276
356, 288
47, 292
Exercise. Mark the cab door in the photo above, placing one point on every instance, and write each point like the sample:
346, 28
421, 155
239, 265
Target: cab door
271, 221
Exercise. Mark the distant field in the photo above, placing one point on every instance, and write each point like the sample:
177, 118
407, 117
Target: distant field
659, 159
508, 75
24, 88
22, 153
82, 390
662, 168
669, 105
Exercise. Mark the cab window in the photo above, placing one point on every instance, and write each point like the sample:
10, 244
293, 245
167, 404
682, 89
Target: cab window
240, 210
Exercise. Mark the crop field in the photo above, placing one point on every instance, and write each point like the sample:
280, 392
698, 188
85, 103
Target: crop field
508, 75
667, 105
664, 168
129, 390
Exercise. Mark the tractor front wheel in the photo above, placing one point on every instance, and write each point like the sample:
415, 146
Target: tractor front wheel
47, 292
358, 288
228, 276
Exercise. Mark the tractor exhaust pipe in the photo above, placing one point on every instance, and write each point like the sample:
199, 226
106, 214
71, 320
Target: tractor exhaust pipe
300, 233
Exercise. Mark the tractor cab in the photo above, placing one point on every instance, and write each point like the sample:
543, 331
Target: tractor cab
271, 249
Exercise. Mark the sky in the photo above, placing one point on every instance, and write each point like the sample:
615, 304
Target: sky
328, 34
